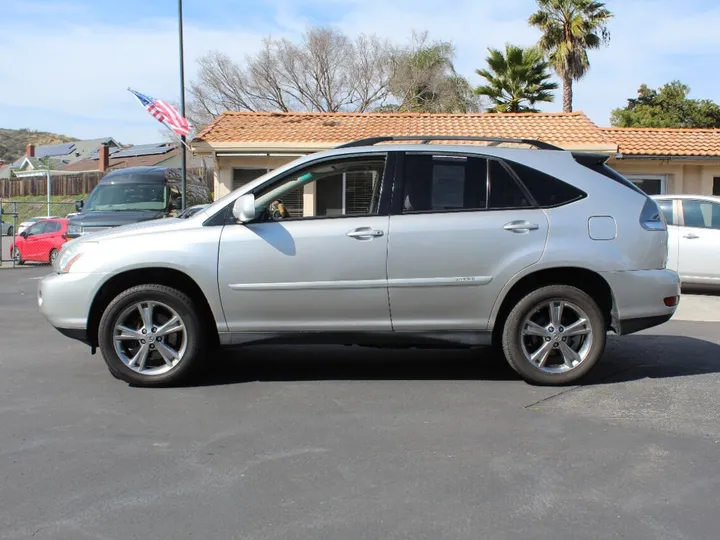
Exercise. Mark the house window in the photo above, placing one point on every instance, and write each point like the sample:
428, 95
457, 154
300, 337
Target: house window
650, 184
243, 176
716, 185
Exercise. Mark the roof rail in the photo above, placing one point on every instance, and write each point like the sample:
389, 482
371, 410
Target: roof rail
371, 141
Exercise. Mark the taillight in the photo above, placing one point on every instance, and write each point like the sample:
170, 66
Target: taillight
651, 217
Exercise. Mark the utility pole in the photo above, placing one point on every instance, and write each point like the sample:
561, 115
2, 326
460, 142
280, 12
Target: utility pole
182, 104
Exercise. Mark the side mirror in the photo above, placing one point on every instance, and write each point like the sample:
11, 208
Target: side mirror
244, 208
24, 234
79, 205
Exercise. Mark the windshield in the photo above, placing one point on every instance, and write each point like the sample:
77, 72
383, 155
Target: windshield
120, 197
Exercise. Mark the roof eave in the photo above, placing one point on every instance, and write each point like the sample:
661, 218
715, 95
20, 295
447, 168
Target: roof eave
210, 148
666, 157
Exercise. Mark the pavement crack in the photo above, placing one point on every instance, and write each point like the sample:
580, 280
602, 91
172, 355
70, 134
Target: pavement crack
548, 398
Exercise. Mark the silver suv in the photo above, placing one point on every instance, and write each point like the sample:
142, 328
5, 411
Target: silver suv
538, 252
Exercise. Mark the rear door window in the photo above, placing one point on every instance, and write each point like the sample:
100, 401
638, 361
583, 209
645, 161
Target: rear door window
444, 183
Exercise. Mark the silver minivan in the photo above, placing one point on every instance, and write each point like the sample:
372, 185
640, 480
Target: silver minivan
533, 250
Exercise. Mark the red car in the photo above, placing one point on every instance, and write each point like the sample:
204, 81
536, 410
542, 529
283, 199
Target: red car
40, 242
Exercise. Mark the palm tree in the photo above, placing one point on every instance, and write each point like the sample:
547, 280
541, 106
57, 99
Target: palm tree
516, 80
424, 80
570, 28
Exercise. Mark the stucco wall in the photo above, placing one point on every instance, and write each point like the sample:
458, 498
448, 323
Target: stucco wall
682, 176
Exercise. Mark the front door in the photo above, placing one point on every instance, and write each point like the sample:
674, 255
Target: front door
699, 237
33, 240
464, 229
320, 271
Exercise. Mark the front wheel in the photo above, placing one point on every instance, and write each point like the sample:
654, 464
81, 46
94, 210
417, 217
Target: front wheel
10, 231
554, 336
151, 335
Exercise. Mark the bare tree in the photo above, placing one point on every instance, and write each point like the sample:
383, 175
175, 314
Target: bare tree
326, 72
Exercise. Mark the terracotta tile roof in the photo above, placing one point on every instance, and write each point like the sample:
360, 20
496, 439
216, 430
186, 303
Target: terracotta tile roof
235, 128
121, 163
666, 142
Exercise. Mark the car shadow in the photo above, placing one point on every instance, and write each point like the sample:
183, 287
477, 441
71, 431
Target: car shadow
626, 358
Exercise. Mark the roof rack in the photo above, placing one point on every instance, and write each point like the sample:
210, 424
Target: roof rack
371, 141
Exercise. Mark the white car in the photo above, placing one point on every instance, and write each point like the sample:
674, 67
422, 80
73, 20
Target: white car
693, 237
28, 223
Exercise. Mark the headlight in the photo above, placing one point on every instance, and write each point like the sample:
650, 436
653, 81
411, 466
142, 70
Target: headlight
70, 254
74, 228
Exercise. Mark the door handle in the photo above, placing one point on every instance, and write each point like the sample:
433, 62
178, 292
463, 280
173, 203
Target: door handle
691, 236
364, 232
521, 226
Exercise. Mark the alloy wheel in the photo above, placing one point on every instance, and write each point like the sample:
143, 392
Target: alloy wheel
556, 336
150, 338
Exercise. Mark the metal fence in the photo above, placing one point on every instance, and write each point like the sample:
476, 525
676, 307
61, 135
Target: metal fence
28, 236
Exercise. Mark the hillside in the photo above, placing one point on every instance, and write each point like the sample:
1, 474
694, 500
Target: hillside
13, 141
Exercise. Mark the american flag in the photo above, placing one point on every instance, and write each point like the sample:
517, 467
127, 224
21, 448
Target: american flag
164, 112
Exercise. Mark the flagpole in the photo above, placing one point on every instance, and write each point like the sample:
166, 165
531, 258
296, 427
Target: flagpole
182, 103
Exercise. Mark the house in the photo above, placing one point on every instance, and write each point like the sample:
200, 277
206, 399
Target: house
246, 145
670, 161
139, 155
38, 160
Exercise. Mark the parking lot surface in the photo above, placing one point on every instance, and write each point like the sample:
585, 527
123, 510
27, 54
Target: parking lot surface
348, 443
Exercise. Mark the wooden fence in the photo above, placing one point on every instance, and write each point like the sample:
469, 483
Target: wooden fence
68, 185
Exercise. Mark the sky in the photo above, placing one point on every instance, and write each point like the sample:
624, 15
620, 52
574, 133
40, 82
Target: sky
67, 64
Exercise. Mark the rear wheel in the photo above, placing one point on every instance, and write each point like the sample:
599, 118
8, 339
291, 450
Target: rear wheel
10, 231
554, 336
17, 256
53, 256
151, 335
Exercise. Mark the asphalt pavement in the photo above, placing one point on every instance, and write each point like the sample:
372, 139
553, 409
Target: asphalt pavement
343, 443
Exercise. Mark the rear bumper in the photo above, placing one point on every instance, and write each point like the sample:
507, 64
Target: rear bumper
639, 298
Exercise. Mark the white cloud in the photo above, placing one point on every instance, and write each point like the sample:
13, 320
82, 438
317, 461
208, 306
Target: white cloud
71, 76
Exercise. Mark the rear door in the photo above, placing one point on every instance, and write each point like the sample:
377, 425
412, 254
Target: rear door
461, 227
699, 253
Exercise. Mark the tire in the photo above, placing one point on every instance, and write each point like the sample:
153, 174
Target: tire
52, 256
10, 231
123, 309
18, 258
560, 366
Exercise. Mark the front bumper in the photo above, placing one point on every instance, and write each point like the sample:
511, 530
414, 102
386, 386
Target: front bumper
65, 300
639, 298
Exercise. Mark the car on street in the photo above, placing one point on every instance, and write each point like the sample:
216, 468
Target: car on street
693, 237
41, 242
135, 194
535, 251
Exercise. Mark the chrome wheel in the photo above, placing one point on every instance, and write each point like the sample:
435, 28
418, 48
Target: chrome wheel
150, 338
53, 256
16, 255
556, 336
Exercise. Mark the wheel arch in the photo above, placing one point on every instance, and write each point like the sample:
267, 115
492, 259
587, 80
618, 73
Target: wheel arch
587, 280
169, 277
